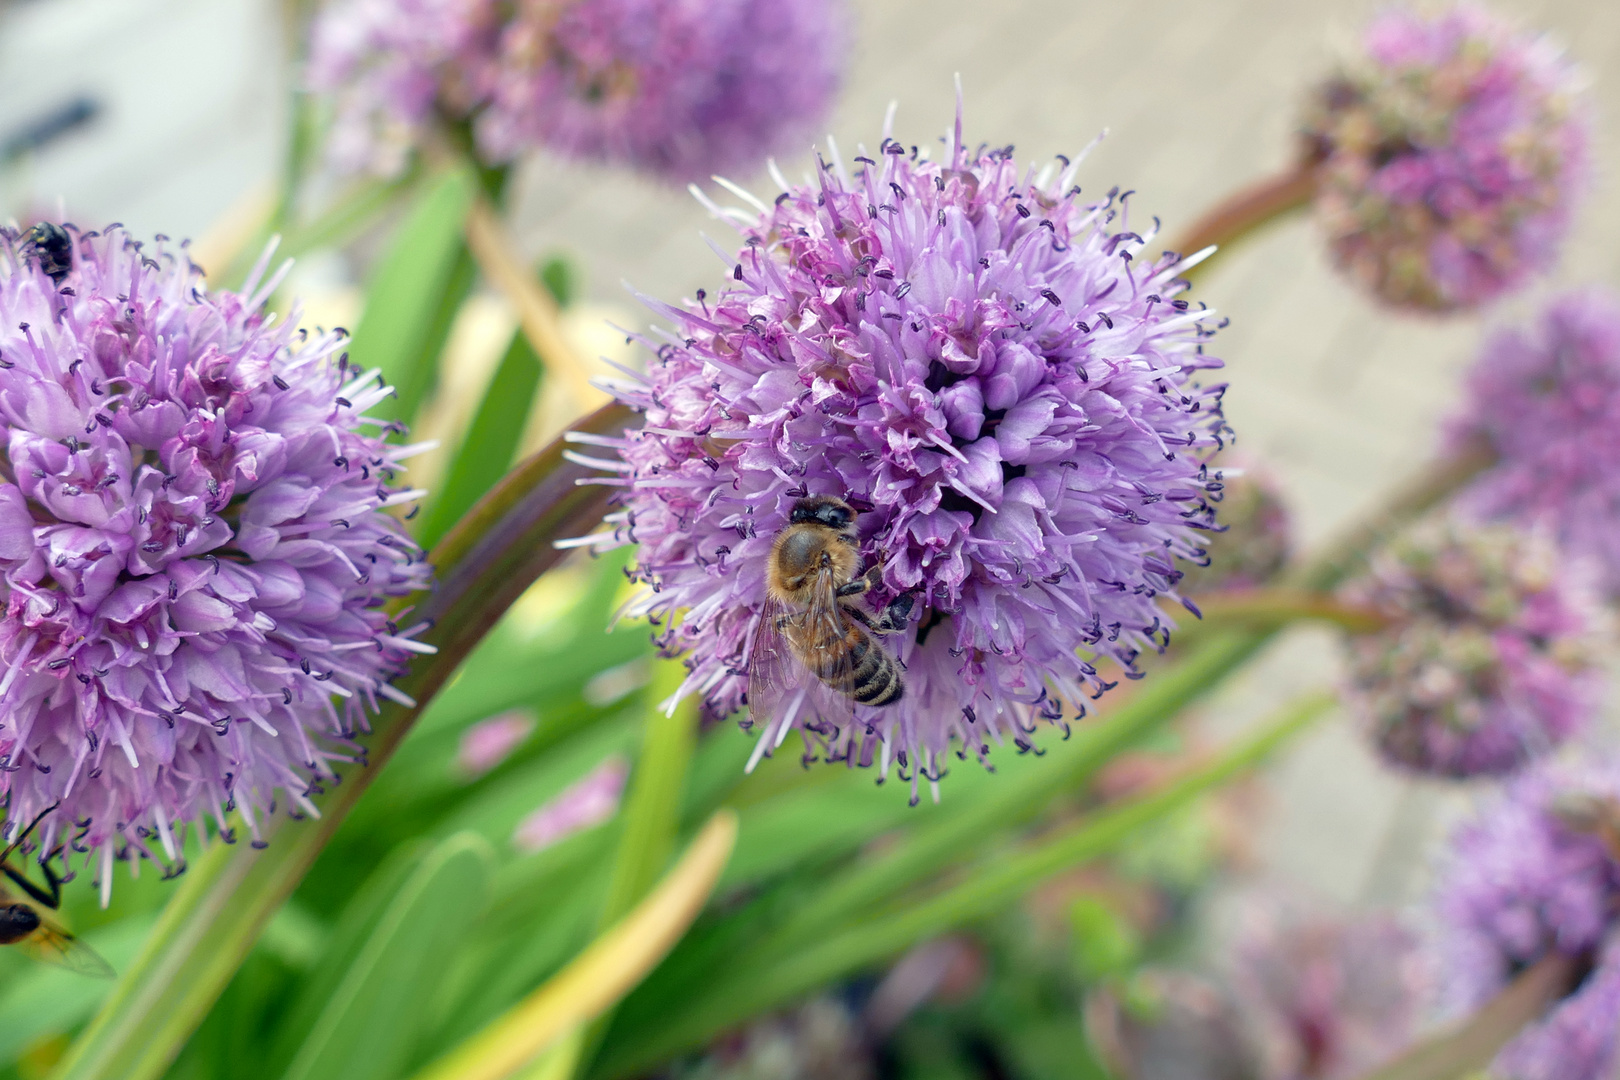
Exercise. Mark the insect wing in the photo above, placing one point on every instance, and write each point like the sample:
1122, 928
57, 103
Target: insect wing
50, 944
826, 647
773, 670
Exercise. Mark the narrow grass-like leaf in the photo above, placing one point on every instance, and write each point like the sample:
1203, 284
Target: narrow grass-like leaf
491, 442
228, 896
755, 983
653, 806
366, 1027
414, 293
603, 973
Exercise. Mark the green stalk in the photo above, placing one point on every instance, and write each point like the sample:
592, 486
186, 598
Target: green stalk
762, 983
224, 902
653, 808
1205, 661
930, 847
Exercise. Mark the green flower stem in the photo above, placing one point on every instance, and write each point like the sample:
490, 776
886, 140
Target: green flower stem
218, 911
1065, 768
1246, 211
1284, 605
980, 890
1203, 662
1468, 1049
653, 808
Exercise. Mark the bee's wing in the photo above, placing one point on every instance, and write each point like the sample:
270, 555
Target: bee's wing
779, 683
51, 944
773, 670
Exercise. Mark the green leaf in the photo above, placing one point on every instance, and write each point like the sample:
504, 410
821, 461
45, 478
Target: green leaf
761, 980
652, 807
414, 293
42, 1001
1105, 943
366, 1028
228, 895
491, 441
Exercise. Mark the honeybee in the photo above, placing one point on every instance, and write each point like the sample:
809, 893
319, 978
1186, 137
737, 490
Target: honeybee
53, 247
813, 621
24, 924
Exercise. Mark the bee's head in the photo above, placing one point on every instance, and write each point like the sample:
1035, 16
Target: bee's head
826, 510
48, 235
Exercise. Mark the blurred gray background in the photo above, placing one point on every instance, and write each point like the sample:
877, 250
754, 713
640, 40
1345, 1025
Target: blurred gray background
1339, 398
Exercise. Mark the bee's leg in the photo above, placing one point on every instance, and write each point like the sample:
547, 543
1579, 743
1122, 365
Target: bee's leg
22, 836
51, 899
897, 616
891, 620
865, 583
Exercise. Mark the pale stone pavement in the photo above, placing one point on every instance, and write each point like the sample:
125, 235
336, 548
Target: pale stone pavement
1338, 397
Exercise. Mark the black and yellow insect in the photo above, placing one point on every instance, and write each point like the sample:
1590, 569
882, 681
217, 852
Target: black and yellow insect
24, 921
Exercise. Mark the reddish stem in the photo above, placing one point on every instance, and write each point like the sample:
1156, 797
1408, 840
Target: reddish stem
1248, 209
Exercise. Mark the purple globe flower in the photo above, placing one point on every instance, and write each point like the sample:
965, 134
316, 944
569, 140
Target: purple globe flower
192, 558
1450, 155
678, 88
1547, 401
1488, 659
390, 65
1536, 873
993, 372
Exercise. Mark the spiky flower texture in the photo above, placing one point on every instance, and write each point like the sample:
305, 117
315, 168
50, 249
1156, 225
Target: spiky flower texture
1449, 157
998, 376
192, 558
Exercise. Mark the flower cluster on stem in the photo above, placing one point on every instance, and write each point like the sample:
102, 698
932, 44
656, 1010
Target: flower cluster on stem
999, 377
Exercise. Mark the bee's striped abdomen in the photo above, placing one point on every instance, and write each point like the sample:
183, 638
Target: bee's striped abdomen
870, 676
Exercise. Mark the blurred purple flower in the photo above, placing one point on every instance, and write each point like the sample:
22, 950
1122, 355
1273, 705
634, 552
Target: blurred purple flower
1451, 154
1257, 535
1325, 997
589, 801
985, 368
1547, 401
677, 88
1537, 872
390, 65
1489, 657
192, 558
489, 742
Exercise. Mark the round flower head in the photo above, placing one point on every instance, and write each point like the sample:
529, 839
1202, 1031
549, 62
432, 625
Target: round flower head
990, 371
1547, 402
192, 561
1256, 536
1323, 996
390, 66
1447, 158
1538, 872
677, 88
1488, 658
